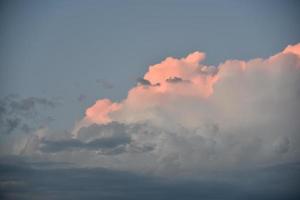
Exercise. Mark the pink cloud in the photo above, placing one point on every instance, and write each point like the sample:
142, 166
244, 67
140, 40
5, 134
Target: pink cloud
99, 112
223, 87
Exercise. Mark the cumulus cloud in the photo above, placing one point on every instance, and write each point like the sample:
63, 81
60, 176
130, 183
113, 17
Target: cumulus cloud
239, 113
99, 112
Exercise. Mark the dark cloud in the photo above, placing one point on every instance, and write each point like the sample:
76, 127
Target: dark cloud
144, 82
109, 143
95, 130
176, 80
10, 124
21, 114
118, 131
35, 181
30, 103
108, 139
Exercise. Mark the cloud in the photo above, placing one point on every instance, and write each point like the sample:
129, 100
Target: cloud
146, 83
21, 122
38, 180
237, 114
109, 143
143, 81
99, 111
110, 139
30, 103
22, 114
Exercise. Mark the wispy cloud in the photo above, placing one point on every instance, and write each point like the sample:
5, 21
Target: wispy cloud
23, 114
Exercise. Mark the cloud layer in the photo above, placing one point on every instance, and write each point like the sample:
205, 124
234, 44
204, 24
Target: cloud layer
23, 180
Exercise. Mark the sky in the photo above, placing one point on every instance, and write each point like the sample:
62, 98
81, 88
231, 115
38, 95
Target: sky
141, 99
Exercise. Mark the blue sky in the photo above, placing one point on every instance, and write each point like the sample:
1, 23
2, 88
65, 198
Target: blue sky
64, 49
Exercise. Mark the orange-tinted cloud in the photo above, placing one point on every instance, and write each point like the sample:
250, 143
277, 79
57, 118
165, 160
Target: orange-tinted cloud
175, 83
99, 112
295, 49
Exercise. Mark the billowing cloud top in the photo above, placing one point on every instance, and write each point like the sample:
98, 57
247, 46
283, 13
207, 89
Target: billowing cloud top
183, 116
203, 91
199, 116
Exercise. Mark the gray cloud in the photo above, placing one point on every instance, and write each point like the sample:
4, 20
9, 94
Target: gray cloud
75, 144
21, 114
144, 82
110, 139
34, 180
30, 103
95, 131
